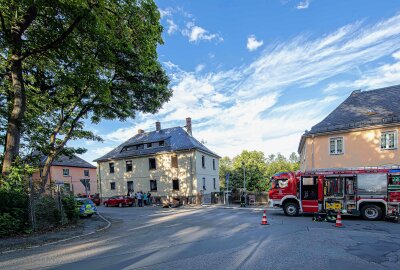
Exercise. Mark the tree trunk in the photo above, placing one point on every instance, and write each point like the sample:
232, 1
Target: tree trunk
14, 126
15, 120
46, 171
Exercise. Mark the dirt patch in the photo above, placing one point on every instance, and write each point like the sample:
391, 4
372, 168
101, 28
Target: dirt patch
85, 225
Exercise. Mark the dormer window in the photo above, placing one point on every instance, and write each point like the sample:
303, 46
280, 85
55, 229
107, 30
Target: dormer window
126, 148
139, 146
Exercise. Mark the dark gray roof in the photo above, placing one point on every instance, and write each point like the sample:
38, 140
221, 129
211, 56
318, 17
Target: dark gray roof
67, 161
363, 109
175, 139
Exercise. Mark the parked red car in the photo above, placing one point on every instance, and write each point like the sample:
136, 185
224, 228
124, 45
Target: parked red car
119, 201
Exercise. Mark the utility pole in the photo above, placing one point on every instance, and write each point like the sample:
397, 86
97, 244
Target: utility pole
244, 182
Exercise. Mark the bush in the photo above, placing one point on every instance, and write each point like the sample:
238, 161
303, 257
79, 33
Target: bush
10, 225
46, 213
70, 208
13, 212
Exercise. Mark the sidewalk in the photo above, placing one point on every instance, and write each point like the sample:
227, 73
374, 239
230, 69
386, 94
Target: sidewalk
84, 227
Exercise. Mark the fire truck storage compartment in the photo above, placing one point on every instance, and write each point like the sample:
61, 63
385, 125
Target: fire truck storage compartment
339, 193
309, 188
394, 193
372, 185
309, 194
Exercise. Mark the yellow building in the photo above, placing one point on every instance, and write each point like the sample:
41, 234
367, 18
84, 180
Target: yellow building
362, 131
167, 162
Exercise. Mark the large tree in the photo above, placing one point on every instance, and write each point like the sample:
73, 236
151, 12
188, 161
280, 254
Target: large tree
68, 61
258, 168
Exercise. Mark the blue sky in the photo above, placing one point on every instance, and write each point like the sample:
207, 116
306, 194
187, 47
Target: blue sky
255, 74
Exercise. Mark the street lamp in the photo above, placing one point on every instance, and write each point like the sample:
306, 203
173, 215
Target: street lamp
244, 182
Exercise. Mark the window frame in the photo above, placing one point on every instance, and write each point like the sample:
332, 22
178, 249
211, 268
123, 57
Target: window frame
111, 165
113, 186
155, 183
155, 164
214, 183
174, 161
126, 165
335, 139
66, 170
84, 173
204, 184
133, 186
173, 184
387, 140
203, 161
214, 167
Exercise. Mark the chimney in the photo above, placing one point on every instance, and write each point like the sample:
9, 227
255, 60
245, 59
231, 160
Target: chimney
158, 126
189, 125
140, 131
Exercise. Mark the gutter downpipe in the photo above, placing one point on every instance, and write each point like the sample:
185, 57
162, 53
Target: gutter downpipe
312, 153
101, 192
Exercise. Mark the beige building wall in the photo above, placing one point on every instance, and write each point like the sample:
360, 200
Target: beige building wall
209, 172
361, 148
141, 175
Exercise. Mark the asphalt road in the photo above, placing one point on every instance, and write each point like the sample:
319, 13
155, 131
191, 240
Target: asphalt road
217, 238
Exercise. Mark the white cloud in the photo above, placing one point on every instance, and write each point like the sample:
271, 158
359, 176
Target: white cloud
200, 67
396, 55
246, 107
165, 12
172, 27
381, 76
303, 4
196, 33
189, 29
253, 44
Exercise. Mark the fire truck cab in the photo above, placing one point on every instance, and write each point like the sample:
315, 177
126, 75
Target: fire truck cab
373, 193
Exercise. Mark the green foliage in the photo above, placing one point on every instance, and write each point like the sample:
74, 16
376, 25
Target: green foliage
258, 168
17, 180
46, 213
82, 61
13, 212
70, 208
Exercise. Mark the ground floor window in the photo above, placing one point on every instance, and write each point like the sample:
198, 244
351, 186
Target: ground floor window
112, 185
175, 184
153, 185
129, 186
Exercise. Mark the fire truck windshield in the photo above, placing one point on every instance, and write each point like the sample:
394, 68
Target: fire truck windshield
279, 183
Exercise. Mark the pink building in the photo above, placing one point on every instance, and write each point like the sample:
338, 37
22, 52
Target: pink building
78, 175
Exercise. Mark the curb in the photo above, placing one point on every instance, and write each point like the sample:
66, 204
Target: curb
63, 240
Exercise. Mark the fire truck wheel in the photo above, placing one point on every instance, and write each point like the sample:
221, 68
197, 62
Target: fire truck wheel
291, 209
371, 212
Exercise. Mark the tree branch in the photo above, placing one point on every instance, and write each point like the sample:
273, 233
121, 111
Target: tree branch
28, 18
3, 24
55, 43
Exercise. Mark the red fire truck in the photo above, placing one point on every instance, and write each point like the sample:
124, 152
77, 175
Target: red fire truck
372, 192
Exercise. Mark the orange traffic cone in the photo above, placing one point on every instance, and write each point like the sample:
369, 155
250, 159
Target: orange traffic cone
264, 218
338, 220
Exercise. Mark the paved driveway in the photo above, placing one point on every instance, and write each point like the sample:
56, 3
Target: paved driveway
217, 238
